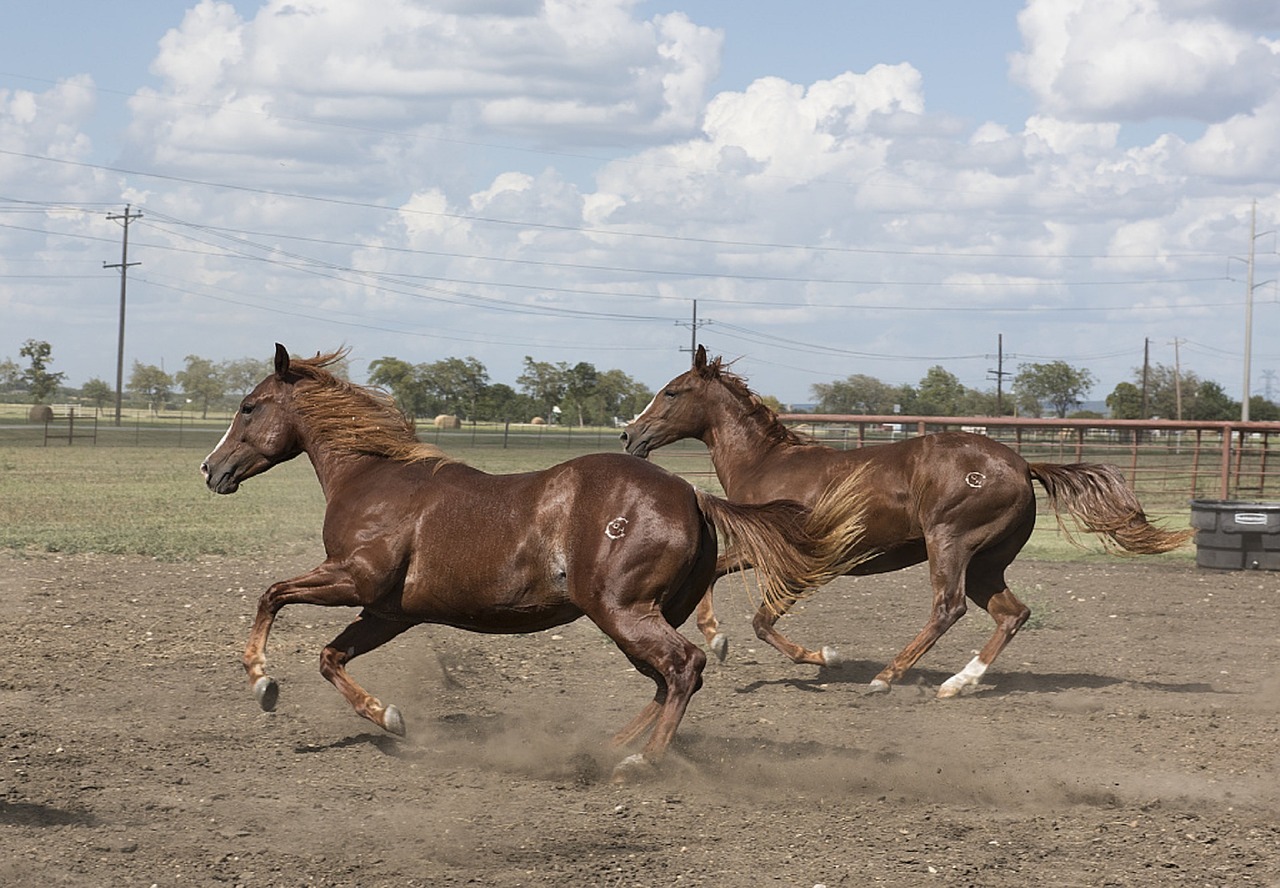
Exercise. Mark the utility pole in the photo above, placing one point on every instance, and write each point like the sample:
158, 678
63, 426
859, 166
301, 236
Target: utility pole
123, 265
999, 374
1248, 314
693, 331
1177, 377
1146, 370
1248, 309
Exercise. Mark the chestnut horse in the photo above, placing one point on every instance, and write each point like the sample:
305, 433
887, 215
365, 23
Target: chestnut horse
961, 501
414, 537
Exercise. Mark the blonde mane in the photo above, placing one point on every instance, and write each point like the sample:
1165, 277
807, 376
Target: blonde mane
356, 418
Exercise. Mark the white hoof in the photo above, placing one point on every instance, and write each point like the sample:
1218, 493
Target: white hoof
831, 658
720, 647
633, 767
392, 721
267, 692
878, 686
947, 691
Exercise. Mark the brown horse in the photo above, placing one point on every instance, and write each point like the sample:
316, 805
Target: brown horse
414, 537
961, 501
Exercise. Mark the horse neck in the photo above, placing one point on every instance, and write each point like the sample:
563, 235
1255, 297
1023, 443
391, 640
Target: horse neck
333, 466
739, 442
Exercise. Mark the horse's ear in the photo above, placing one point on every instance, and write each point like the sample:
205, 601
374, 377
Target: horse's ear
700, 358
282, 360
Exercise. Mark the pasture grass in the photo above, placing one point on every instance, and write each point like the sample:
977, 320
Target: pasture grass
151, 500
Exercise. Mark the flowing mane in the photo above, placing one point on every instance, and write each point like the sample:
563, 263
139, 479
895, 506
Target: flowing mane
757, 410
356, 418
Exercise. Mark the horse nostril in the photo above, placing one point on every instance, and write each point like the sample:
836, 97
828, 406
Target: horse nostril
204, 469
623, 437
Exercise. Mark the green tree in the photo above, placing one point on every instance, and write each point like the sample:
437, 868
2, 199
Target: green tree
1210, 401
401, 379
201, 381
98, 393
858, 394
1262, 410
544, 383
1125, 401
940, 393
40, 381
454, 385
621, 397
10, 376
240, 376
152, 384
580, 382
1056, 383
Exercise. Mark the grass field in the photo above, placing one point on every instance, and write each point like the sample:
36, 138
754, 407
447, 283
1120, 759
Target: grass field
149, 499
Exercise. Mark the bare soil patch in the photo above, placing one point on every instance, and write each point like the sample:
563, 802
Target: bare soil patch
1129, 738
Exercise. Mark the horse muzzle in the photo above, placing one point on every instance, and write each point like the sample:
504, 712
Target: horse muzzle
636, 445
219, 481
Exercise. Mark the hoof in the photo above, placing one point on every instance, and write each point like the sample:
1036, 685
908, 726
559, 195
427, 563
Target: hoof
946, 693
879, 686
831, 658
632, 769
267, 692
392, 721
720, 647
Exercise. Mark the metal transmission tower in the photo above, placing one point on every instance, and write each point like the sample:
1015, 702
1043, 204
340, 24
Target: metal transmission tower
126, 217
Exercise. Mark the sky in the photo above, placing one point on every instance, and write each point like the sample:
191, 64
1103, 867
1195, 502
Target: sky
834, 188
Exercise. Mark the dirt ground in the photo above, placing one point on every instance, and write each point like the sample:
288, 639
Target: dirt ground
1129, 736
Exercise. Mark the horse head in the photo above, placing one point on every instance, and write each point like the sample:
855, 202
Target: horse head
262, 434
679, 410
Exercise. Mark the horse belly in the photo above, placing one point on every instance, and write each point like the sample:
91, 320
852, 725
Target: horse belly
487, 588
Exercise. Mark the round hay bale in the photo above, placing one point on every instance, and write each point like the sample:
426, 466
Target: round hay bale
40, 413
448, 421
538, 420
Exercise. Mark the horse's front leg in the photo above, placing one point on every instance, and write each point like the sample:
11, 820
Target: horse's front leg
327, 585
764, 622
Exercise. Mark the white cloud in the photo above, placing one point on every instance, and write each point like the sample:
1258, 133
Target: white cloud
1142, 59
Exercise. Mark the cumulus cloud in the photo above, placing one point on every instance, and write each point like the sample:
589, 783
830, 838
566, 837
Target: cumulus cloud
1143, 59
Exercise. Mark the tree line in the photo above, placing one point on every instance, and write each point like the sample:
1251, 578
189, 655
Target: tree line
580, 394
577, 394
1055, 388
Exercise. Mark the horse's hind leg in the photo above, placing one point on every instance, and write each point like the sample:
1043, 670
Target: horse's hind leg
674, 663
1009, 614
362, 636
709, 626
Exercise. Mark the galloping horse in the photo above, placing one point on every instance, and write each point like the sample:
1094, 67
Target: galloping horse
961, 501
414, 537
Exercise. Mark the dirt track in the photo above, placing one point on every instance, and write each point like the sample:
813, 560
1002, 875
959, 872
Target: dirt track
1130, 737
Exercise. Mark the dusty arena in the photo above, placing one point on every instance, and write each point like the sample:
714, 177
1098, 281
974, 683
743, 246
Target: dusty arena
1129, 736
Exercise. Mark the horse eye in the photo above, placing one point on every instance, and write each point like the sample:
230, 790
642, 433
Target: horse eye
246, 408
670, 393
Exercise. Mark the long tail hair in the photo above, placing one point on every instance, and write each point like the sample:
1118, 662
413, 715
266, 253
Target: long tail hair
1100, 501
793, 549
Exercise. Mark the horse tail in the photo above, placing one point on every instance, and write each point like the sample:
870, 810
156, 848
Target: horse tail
793, 549
1100, 501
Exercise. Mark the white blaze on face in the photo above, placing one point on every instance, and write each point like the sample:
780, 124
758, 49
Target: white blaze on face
222, 441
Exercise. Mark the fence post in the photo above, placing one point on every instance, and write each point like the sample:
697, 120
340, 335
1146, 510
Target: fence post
1225, 478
